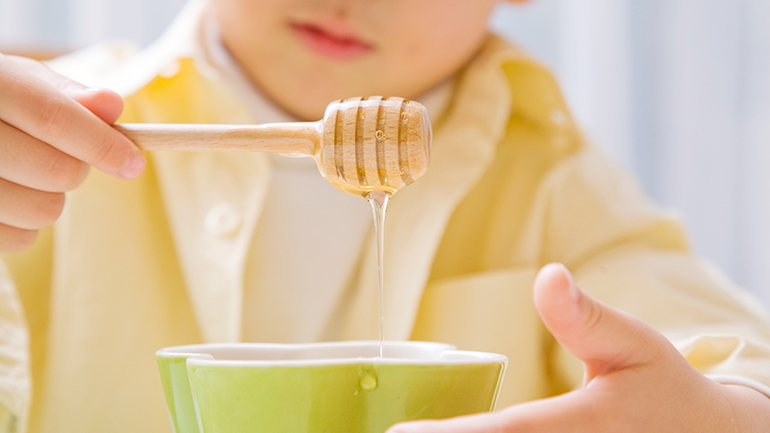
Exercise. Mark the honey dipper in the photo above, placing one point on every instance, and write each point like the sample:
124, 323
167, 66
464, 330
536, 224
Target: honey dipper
361, 144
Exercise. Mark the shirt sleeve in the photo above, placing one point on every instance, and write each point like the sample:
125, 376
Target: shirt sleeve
738, 380
634, 256
718, 327
15, 381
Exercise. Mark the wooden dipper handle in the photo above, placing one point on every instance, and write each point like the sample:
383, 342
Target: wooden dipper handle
361, 144
288, 138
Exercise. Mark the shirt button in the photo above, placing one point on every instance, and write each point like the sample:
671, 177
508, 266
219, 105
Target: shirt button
559, 118
223, 219
171, 69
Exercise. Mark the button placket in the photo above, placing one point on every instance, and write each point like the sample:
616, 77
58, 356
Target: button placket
223, 219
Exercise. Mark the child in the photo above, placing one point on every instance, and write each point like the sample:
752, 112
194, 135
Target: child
206, 247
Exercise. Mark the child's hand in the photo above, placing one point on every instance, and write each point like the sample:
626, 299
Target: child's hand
51, 130
635, 380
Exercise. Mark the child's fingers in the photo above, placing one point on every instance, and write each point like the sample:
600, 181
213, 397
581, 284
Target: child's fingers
604, 338
14, 239
571, 412
479, 423
39, 109
29, 162
58, 81
104, 103
28, 208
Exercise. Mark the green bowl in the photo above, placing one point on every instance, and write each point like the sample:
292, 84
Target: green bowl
323, 387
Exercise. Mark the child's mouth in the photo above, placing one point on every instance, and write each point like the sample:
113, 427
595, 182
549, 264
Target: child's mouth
326, 42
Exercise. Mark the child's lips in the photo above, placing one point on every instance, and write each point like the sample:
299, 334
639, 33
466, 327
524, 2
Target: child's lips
331, 42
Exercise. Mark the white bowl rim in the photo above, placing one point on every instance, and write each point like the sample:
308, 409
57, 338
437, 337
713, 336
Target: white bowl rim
441, 354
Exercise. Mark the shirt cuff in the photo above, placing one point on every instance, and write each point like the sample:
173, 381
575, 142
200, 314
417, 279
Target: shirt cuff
726, 379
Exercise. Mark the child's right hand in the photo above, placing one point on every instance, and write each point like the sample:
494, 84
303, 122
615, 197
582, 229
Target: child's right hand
635, 380
52, 130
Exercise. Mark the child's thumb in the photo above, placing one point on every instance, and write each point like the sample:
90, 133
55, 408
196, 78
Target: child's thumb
104, 103
604, 338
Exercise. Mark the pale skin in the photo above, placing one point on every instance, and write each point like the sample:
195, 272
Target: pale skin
635, 380
52, 130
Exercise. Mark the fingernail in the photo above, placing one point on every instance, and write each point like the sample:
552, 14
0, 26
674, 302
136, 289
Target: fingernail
90, 90
134, 166
574, 291
75, 91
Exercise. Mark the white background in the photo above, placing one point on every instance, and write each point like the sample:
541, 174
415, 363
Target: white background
678, 91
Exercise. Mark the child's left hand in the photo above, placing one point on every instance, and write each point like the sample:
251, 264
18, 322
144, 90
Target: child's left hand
635, 379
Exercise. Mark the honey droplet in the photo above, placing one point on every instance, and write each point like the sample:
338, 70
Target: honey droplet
404, 116
368, 382
379, 134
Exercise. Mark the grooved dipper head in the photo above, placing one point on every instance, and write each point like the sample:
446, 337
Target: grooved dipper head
374, 143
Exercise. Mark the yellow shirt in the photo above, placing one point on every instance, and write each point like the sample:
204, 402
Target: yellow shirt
512, 185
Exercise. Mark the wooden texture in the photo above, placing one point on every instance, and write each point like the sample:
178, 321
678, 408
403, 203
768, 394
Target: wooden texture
291, 138
361, 145
374, 143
